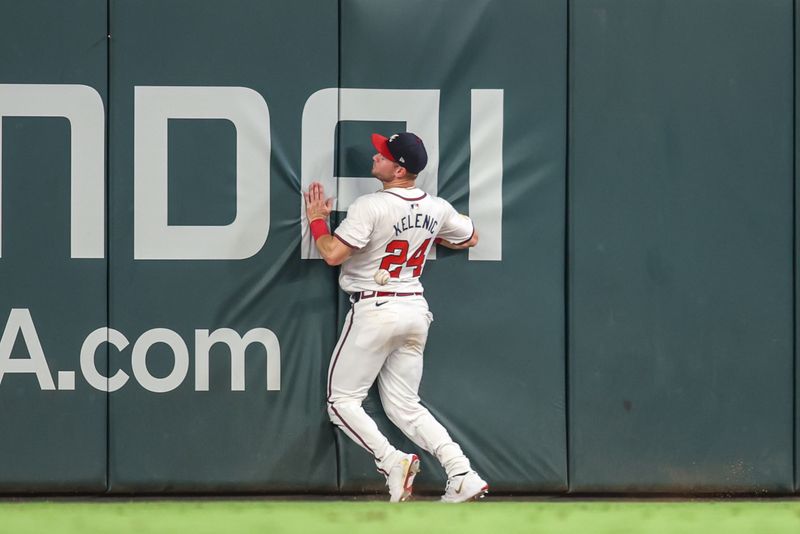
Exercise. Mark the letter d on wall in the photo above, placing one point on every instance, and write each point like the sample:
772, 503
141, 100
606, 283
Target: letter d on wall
153, 237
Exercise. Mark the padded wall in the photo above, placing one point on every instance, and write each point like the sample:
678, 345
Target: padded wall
680, 217
52, 264
187, 439
654, 352
796, 320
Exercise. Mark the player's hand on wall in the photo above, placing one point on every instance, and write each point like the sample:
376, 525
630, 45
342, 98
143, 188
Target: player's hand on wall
317, 207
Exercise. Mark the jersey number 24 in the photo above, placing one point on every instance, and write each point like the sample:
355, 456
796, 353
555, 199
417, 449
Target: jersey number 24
398, 255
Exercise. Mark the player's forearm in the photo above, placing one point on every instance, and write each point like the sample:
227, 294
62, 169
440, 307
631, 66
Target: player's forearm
461, 246
328, 249
333, 251
452, 246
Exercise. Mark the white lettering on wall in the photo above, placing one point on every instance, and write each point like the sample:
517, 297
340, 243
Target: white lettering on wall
237, 346
180, 360
35, 362
88, 368
486, 173
83, 108
20, 321
154, 238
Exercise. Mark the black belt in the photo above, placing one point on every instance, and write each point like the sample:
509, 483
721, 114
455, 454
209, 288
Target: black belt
355, 297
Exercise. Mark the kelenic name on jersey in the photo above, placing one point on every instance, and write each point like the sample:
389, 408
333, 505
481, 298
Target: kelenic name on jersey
418, 220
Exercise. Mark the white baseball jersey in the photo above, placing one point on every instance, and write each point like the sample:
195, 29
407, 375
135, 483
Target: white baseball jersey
394, 229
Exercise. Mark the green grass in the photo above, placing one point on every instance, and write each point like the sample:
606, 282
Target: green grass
276, 517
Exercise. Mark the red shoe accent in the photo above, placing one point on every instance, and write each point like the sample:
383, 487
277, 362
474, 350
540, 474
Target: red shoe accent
408, 488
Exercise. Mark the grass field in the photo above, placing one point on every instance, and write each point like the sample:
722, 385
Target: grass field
331, 517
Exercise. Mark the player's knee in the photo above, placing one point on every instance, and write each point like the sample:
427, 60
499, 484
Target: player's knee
401, 413
331, 412
338, 409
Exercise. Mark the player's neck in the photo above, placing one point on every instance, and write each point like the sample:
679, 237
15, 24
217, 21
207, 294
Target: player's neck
403, 183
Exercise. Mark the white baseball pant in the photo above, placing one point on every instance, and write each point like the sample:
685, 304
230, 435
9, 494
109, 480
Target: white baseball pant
384, 338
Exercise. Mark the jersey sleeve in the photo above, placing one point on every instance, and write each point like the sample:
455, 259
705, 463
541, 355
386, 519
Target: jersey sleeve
456, 228
356, 229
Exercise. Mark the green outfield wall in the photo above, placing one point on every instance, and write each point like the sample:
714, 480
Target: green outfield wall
626, 324
53, 282
680, 250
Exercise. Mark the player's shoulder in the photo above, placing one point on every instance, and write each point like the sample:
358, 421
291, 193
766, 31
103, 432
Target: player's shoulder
441, 202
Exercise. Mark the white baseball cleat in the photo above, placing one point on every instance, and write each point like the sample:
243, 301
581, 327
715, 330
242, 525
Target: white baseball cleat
466, 487
401, 477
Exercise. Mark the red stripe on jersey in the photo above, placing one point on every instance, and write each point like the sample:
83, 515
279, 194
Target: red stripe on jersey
404, 198
470, 236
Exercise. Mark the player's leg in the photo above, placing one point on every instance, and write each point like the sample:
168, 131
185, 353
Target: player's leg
398, 383
356, 361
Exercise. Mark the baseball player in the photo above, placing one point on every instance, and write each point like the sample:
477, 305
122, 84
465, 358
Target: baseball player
382, 245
